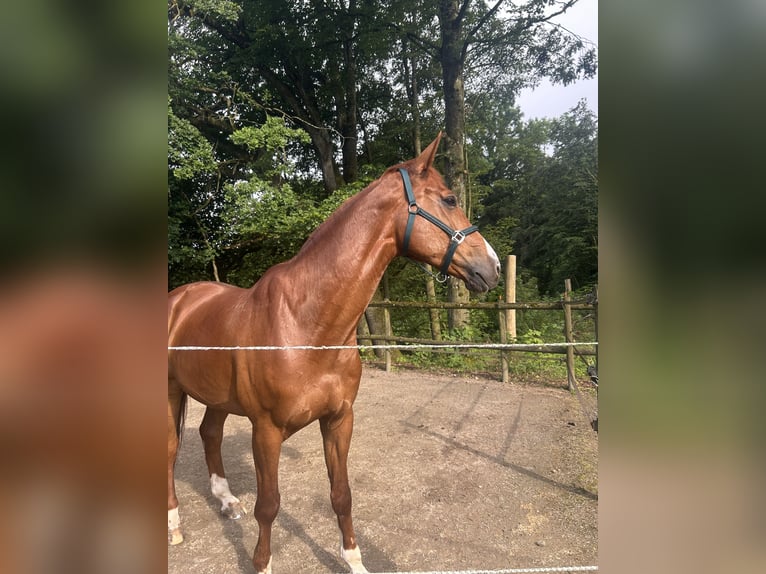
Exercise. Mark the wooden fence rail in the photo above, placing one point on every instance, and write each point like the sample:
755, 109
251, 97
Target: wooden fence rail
506, 321
564, 306
499, 305
527, 348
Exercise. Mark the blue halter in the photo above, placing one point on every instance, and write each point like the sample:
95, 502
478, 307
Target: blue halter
456, 237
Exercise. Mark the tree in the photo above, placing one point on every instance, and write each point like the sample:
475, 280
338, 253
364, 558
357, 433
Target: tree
236, 229
507, 43
192, 168
355, 86
298, 58
543, 197
565, 243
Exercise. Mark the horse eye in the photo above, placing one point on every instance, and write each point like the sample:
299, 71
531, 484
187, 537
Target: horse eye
450, 201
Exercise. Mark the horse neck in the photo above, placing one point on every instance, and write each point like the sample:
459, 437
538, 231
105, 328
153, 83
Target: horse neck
335, 274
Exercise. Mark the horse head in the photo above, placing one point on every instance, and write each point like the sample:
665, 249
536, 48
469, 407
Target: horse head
435, 230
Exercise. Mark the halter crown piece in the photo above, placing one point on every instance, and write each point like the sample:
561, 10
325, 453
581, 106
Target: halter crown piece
456, 237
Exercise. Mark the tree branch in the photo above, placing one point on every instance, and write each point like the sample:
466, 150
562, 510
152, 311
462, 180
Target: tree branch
428, 47
491, 12
236, 37
463, 10
522, 25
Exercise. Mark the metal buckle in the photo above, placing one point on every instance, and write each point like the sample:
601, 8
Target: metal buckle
458, 237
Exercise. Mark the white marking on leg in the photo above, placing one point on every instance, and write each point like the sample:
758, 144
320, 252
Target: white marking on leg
174, 526
268, 568
220, 488
174, 520
353, 557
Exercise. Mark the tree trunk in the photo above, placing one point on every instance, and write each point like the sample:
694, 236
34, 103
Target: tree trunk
376, 322
376, 319
452, 58
433, 314
305, 109
347, 113
323, 145
413, 96
410, 68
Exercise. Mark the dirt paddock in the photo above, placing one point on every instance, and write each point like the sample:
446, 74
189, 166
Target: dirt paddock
448, 472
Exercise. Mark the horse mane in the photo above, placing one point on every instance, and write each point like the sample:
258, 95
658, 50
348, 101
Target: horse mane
344, 208
417, 167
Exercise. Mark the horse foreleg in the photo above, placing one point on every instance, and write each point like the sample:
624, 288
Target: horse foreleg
336, 433
267, 444
211, 432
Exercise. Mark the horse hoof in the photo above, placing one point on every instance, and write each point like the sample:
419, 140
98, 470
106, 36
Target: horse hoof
353, 557
233, 510
175, 536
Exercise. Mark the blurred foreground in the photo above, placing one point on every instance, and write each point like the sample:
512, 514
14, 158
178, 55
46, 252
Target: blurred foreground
82, 288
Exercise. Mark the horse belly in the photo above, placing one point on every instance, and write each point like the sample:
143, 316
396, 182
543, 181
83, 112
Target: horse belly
209, 382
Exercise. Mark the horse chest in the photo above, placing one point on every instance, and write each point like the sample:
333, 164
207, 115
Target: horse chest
295, 401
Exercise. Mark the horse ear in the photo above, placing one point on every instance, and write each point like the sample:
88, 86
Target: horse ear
426, 159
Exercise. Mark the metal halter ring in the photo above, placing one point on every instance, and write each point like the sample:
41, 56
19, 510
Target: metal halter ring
458, 237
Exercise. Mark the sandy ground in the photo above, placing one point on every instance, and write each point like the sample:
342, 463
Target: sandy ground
448, 472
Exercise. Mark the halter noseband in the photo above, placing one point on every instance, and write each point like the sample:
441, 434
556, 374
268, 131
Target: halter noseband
456, 237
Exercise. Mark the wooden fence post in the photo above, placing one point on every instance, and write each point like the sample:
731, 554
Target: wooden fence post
595, 322
387, 320
507, 317
503, 339
433, 313
568, 333
510, 295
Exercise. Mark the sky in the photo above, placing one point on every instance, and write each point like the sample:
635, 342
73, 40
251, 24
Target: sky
549, 101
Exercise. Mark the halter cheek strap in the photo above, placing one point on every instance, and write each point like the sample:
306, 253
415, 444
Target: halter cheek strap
456, 237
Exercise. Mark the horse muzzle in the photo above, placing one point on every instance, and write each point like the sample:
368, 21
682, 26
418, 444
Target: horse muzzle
481, 280
482, 275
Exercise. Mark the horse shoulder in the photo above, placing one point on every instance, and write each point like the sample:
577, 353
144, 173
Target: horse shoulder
274, 297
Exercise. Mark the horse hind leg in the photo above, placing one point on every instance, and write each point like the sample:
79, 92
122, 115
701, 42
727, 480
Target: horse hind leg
176, 412
336, 435
211, 432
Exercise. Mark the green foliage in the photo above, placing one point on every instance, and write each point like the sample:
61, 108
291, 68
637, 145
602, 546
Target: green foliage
272, 221
225, 9
243, 226
543, 198
189, 153
272, 136
273, 139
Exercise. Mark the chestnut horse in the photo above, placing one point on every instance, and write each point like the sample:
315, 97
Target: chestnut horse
315, 299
